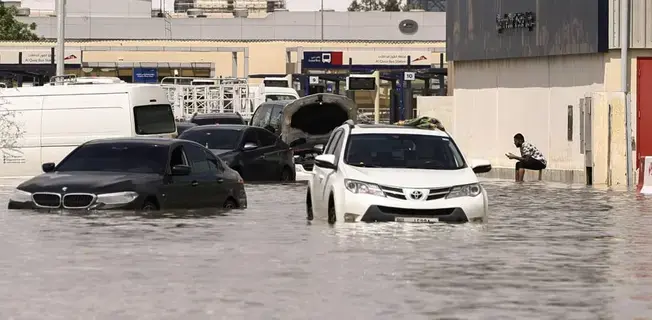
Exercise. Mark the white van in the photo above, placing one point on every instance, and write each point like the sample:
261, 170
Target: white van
56, 119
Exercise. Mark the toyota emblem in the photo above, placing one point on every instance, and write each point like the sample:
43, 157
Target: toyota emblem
416, 194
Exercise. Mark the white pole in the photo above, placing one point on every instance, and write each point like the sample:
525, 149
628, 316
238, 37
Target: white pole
322, 20
624, 65
376, 76
61, 37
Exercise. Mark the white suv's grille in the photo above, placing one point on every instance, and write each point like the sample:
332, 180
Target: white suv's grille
398, 193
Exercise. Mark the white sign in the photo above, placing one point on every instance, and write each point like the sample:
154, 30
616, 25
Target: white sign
409, 76
45, 56
417, 58
314, 80
9, 57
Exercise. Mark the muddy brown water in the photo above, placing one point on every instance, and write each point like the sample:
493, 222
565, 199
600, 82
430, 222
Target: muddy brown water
547, 252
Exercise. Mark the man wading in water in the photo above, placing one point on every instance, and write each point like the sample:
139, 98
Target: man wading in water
531, 158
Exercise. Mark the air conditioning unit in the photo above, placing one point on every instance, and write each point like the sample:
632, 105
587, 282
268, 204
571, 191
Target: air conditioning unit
194, 13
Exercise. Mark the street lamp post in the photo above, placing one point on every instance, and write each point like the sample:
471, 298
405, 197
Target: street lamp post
322, 20
61, 37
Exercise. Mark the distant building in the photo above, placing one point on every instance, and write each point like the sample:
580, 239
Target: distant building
428, 5
226, 6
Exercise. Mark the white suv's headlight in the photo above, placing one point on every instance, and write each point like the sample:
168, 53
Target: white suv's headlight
469, 190
117, 197
20, 196
363, 187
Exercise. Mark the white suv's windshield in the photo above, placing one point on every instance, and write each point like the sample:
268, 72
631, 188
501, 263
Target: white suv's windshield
409, 151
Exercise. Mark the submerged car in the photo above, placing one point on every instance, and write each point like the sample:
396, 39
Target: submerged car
257, 154
391, 173
134, 174
310, 119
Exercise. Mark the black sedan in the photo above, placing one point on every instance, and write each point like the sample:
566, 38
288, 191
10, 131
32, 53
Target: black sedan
134, 174
257, 154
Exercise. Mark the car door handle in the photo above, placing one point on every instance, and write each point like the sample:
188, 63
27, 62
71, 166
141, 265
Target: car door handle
194, 183
220, 180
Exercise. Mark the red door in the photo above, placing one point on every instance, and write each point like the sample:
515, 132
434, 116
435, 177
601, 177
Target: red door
644, 107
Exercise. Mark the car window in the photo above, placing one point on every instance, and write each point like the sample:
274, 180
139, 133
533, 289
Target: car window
412, 151
214, 139
261, 116
178, 157
338, 148
266, 138
250, 136
197, 157
279, 97
116, 157
154, 119
275, 119
330, 147
214, 164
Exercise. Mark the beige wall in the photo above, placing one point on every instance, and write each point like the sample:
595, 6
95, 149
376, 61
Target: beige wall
264, 57
498, 98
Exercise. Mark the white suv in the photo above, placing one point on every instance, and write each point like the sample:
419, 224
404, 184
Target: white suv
393, 173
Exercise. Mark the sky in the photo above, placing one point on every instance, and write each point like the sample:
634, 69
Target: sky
293, 5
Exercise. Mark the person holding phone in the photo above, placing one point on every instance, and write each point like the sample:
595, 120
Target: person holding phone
531, 158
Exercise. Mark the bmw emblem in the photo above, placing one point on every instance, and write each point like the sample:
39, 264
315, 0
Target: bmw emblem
64, 189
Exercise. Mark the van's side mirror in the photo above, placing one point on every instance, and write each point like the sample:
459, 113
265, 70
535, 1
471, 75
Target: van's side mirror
48, 167
318, 148
180, 170
297, 142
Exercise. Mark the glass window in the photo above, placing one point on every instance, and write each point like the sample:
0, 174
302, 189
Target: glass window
250, 137
197, 157
178, 157
276, 83
266, 138
220, 120
275, 119
279, 97
154, 119
261, 116
330, 147
213, 139
338, 148
412, 151
117, 157
214, 164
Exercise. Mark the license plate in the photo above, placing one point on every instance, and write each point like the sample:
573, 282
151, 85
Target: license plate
416, 220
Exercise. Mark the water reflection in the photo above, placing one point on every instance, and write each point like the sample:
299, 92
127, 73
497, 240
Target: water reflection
547, 252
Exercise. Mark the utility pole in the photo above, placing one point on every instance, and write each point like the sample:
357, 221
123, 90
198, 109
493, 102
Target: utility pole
624, 70
322, 20
61, 38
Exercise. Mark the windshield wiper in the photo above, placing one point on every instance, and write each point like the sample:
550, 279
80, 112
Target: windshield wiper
364, 165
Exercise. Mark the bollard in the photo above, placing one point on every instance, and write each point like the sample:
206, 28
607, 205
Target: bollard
645, 176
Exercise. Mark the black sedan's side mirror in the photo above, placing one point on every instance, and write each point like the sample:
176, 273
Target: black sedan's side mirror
48, 167
180, 170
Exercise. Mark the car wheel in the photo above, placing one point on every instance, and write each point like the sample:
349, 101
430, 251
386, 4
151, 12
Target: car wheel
230, 204
331, 211
309, 214
286, 175
149, 206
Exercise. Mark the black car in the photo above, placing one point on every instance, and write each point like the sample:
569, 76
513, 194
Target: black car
257, 154
311, 118
183, 126
134, 174
202, 119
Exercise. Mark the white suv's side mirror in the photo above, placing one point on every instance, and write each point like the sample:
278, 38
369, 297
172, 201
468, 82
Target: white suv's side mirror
480, 165
326, 161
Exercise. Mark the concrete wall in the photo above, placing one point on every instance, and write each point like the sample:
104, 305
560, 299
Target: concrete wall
264, 57
640, 24
287, 26
113, 8
439, 107
495, 99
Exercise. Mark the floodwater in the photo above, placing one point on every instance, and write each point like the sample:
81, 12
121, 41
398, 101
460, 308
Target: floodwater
548, 252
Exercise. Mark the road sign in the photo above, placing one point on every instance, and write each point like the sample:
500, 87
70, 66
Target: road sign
314, 80
409, 76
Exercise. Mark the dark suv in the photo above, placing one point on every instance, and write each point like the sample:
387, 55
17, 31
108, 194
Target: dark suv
201, 119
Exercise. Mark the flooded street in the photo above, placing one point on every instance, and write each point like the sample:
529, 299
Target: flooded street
548, 252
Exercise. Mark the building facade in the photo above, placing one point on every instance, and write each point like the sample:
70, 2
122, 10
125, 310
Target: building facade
522, 66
